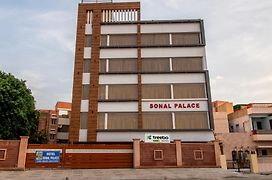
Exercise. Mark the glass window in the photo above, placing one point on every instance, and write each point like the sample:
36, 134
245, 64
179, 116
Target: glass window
63, 128
122, 120
117, 40
88, 41
101, 92
185, 38
123, 92
155, 65
86, 65
85, 91
101, 121
102, 65
183, 91
84, 120
181, 64
103, 40
123, 65
191, 120
157, 120
156, 91
154, 39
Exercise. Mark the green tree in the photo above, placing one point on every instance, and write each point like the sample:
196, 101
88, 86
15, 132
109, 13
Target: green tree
18, 116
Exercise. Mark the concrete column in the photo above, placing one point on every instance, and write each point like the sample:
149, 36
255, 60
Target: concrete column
223, 162
178, 152
253, 163
217, 153
136, 153
22, 152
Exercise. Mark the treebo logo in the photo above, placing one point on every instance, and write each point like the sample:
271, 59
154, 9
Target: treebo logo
149, 137
155, 138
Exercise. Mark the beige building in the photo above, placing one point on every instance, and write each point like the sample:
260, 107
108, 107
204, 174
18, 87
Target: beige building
250, 128
221, 109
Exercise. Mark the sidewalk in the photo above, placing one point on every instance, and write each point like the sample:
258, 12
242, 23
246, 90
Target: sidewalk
101, 174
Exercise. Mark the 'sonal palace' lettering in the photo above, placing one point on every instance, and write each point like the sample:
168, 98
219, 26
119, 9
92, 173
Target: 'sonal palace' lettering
175, 106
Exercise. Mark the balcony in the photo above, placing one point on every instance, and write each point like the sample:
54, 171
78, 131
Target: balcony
64, 121
262, 135
62, 135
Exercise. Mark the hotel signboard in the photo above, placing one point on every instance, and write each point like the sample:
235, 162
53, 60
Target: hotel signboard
47, 157
157, 138
174, 106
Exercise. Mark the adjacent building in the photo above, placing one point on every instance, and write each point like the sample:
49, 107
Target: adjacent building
134, 77
63, 111
48, 123
56, 123
255, 118
249, 129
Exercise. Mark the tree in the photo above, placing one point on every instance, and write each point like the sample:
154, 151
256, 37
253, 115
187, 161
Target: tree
18, 116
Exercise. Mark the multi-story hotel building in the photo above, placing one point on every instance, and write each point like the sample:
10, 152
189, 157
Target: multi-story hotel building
134, 77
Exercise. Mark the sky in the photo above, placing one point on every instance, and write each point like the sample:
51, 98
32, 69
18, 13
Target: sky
37, 42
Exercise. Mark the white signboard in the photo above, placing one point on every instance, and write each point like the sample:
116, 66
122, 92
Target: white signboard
175, 106
157, 138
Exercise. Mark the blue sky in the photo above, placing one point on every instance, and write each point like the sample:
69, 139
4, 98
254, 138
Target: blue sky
37, 40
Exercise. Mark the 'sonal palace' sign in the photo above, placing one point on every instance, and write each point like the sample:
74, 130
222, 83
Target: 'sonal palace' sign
175, 106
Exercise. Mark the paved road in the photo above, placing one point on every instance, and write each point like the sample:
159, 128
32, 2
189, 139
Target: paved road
101, 174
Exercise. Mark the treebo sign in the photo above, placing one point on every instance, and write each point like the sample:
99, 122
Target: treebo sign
157, 138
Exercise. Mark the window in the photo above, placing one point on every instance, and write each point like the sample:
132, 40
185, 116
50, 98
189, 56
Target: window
156, 91
84, 120
182, 91
88, 41
103, 40
185, 38
155, 39
237, 129
155, 65
123, 65
123, 92
53, 121
264, 152
157, 120
63, 128
101, 121
119, 40
198, 154
3, 153
119, 65
181, 64
102, 65
85, 91
231, 129
52, 136
122, 121
191, 120
259, 125
86, 65
101, 92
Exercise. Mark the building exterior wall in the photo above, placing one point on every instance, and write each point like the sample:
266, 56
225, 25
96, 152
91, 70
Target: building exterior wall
221, 124
129, 72
9, 150
235, 141
223, 106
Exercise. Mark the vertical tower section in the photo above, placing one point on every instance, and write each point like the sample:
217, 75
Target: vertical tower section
87, 89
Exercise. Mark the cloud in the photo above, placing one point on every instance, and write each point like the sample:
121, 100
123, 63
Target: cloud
38, 40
